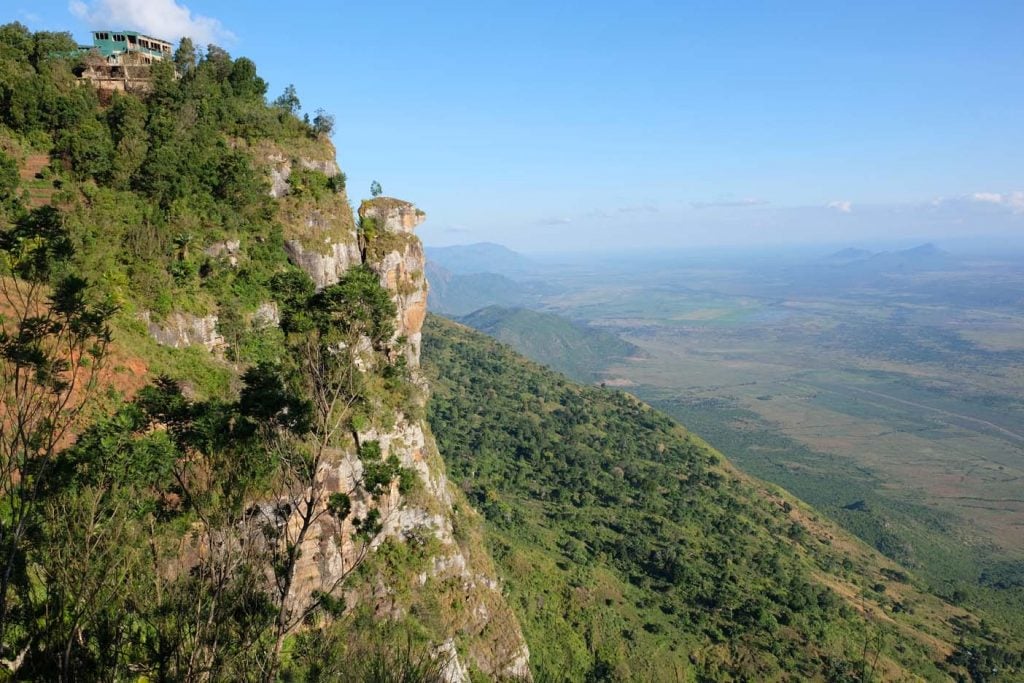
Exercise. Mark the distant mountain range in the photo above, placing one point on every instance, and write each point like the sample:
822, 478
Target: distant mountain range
850, 254
468, 277
921, 251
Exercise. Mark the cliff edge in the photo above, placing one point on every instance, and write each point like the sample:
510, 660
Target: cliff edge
454, 592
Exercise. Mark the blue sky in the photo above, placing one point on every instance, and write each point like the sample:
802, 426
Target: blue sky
555, 125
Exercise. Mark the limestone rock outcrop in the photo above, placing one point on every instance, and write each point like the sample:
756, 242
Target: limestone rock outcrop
392, 215
179, 330
319, 229
280, 167
325, 266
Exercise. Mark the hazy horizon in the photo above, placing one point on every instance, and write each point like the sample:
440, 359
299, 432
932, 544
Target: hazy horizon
1000, 246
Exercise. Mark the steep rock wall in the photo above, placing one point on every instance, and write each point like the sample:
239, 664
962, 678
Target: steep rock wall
478, 630
319, 231
397, 256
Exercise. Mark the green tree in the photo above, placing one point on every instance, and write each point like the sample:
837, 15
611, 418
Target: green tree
375, 189
88, 149
303, 408
244, 80
289, 100
52, 346
9, 181
323, 123
217, 63
126, 119
185, 56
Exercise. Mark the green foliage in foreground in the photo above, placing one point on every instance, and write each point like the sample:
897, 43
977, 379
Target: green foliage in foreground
164, 542
629, 549
137, 551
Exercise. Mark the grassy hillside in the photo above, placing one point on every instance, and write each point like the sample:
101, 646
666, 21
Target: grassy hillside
579, 351
633, 551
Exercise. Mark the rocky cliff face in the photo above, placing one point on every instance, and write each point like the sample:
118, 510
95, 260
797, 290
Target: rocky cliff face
320, 234
454, 583
477, 629
183, 329
396, 255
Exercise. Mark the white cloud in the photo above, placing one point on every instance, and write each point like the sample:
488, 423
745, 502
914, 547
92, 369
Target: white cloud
638, 208
1011, 200
730, 203
842, 206
556, 220
160, 18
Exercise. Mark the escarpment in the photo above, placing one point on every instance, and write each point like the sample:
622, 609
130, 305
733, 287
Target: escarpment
217, 464
451, 584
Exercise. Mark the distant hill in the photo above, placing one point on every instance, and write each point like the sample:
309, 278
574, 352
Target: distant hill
858, 263
927, 250
850, 254
630, 550
922, 257
920, 252
483, 257
579, 351
461, 293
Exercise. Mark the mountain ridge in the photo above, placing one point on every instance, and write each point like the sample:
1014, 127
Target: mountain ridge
481, 257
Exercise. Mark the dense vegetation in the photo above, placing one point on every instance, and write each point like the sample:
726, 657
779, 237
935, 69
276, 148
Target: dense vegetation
168, 178
133, 540
577, 350
631, 550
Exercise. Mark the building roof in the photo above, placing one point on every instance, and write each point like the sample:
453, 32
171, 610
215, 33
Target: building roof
131, 33
113, 42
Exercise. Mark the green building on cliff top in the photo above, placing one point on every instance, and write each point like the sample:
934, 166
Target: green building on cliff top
114, 45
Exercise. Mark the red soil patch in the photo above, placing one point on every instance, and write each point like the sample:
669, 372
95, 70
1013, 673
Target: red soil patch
34, 164
121, 371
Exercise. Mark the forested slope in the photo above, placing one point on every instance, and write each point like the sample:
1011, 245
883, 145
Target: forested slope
632, 550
